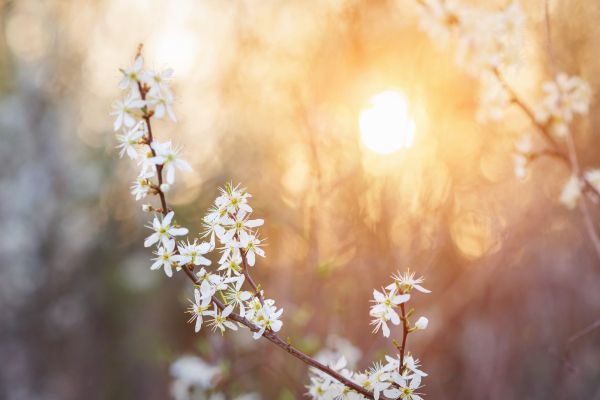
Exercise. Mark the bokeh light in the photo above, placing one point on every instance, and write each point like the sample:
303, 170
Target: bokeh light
386, 126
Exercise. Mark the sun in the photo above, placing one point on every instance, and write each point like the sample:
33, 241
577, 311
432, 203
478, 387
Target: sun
386, 126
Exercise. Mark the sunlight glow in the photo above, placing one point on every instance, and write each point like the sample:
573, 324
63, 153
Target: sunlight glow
179, 48
385, 126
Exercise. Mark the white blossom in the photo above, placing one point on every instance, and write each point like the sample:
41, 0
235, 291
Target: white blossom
220, 319
169, 158
132, 75
232, 264
163, 102
564, 96
406, 282
167, 258
405, 390
421, 323
124, 109
521, 157
593, 178
159, 81
130, 138
251, 244
238, 224
140, 185
267, 317
199, 308
571, 192
237, 297
163, 230
195, 251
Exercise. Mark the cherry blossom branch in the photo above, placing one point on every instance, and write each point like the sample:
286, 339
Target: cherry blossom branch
273, 338
572, 151
269, 334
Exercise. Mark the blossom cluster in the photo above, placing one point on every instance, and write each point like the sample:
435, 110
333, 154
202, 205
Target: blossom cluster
228, 224
228, 220
564, 96
488, 42
485, 42
392, 379
147, 94
195, 379
394, 295
401, 376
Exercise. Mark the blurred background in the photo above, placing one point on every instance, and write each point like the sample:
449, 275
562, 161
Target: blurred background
270, 95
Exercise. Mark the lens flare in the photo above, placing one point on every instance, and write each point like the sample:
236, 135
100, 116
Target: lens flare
386, 126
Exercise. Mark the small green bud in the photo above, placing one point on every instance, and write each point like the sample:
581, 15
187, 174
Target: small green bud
258, 288
395, 343
409, 313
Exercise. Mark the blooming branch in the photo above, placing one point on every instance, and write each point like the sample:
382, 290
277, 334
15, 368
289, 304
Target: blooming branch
228, 220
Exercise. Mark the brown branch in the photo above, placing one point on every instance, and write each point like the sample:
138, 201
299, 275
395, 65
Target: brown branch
402, 348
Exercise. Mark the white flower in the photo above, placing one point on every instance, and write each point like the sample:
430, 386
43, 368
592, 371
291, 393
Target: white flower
140, 185
383, 311
237, 225
524, 145
193, 371
199, 308
571, 192
377, 379
215, 213
421, 323
520, 162
167, 258
123, 110
593, 178
267, 317
407, 282
165, 187
159, 81
169, 158
216, 281
163, 230
236, 297
163, 101
439, 19
130, 138
146, 208
413, 365
195, 251
220, 319
132, 75
492, 103
564, 96
234, 199
232, 264
251, 244
406, 390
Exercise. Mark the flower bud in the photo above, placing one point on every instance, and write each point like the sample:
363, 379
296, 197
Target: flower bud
147, 208
165, 187
422, 323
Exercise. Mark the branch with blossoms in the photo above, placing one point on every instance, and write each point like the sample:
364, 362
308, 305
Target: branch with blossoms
147, 94
487, 45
